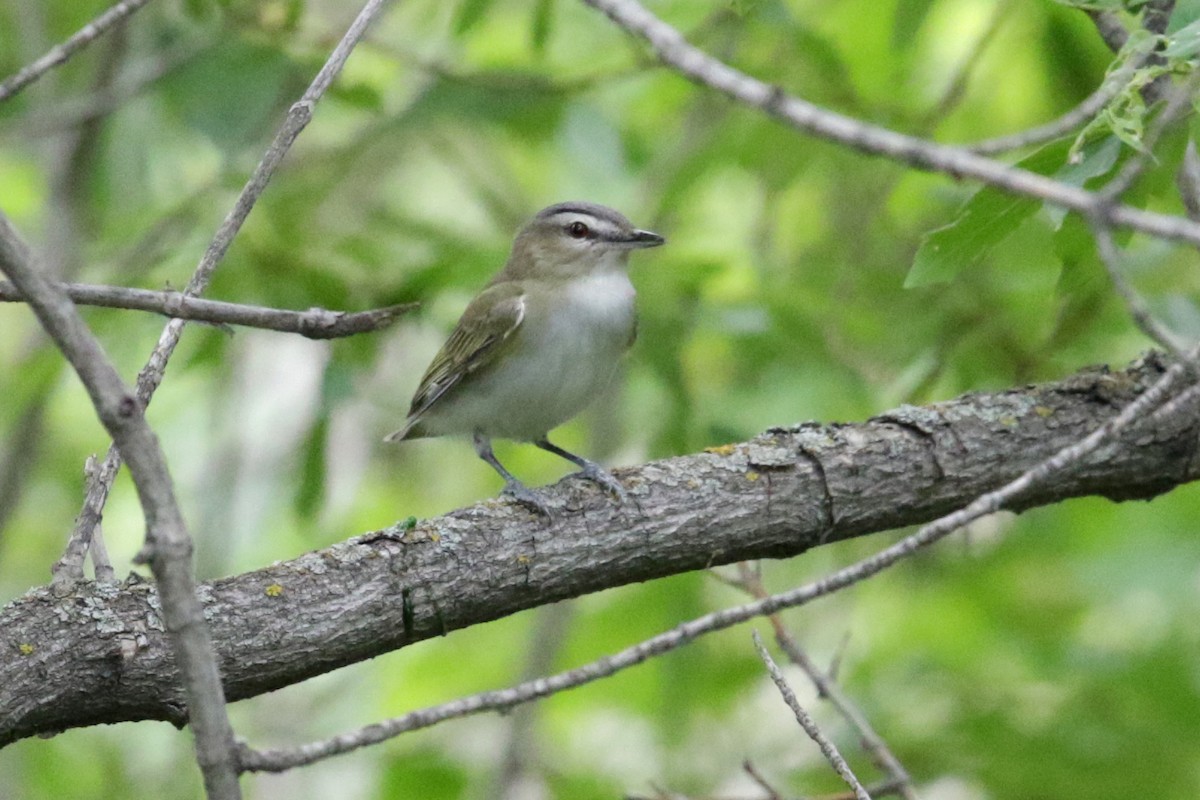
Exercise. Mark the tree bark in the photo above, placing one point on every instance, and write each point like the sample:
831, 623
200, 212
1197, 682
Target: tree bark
99, 653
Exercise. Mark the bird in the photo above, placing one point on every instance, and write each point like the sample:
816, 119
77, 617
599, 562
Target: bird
540, 341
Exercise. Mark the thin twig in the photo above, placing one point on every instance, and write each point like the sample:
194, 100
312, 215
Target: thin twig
1110, 256
876, 790
1077, 116
278, 760
124, 418
1109, 26
698, 66
1115, 36
70, 112
61, 52
151, 375
17, 460
1178, 403
1178, 106
763, 783
1188, 180
957, 87
315, 323
520, 745
827, 687
828, 748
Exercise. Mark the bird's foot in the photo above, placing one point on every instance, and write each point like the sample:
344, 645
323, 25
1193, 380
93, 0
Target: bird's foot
594, 472
528, 498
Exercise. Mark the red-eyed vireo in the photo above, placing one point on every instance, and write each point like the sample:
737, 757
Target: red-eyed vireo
539, 342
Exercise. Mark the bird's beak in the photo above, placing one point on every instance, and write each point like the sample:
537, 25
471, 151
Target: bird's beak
641, 239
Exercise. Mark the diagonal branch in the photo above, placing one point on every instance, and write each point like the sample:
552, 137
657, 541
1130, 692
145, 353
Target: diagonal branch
315, 323
151, 375
777, 495
1091, 105
827, 688
959, 162
1007, 496
61, 52
124, 419
828, 748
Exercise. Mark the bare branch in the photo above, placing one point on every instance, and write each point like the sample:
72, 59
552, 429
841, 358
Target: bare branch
698, 66
957, 88
827, 687
1138, 309
315, 323
151, 375
763, 783
782, 493
1188, 180
60, 53
70, 112
1179, 404
1155, 18
1109, 26
1009, 495
828, 749
1178, 106
124, 419
1108, 90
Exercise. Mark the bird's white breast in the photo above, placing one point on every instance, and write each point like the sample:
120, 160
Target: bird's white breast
603, 301
566, 351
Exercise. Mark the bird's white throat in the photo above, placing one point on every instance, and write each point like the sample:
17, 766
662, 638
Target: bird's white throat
602, 299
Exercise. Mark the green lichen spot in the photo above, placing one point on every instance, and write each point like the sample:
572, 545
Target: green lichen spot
25, 648
1043, 411
274, 590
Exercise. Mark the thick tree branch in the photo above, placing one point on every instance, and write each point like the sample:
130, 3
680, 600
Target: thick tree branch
99, 655
959, 162
197, 679
315, 323
1008, 495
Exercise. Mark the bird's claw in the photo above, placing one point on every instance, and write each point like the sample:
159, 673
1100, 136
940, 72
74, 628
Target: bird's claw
596, 473
528, 498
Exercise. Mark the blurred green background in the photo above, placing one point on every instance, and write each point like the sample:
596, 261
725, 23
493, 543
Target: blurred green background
1052, 656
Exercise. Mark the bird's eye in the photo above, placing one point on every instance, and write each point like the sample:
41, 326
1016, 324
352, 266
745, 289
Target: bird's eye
577, 230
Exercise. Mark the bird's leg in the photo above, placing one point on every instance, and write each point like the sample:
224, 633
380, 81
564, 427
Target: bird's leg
590, 469
512, 487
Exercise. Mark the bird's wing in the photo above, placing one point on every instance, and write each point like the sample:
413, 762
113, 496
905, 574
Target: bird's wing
489, 321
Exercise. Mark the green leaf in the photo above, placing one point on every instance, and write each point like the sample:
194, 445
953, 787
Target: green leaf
469, 15
1088, 162
907, 21
543, 18
986, 219
1185, 42
1186, 12
232, 93
310, 492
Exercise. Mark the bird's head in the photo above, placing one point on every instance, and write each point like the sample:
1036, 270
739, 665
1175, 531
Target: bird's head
574, 239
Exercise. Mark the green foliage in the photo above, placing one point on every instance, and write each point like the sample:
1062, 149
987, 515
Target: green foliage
1050, 656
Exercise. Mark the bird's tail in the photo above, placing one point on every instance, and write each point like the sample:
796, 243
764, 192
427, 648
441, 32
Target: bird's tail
411, 430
